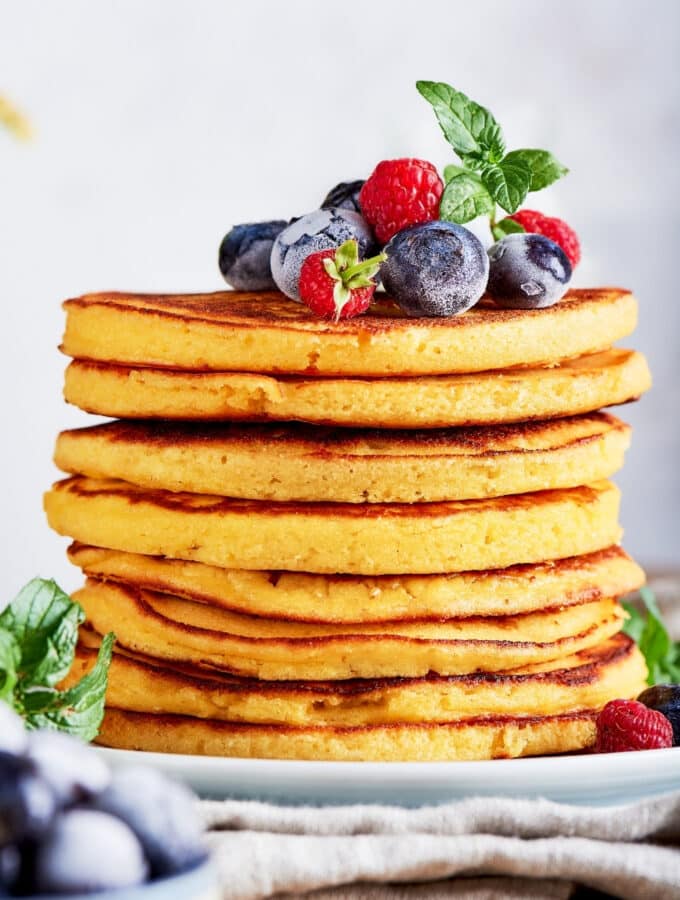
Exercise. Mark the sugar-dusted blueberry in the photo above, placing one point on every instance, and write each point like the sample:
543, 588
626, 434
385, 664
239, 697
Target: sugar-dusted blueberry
13, 737
87, 850
344, 196
319, 230
665, 698
435, 269
245, 254
162, 814
27, 804
73, 770
527, 271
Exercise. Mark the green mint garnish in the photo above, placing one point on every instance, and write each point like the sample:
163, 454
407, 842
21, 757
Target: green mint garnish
488, 175
38, 637
349, 274
661, 652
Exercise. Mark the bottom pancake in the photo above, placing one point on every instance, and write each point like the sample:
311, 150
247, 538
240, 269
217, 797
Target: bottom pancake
586, 680
471, 739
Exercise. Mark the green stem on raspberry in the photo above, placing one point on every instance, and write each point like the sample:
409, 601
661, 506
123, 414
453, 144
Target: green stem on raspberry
363, 267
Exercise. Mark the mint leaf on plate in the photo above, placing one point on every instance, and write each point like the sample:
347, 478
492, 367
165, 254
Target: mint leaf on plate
471, 129
504, 227
465, 198
649, 632
38, 637
545, 169
508, 183
452, 170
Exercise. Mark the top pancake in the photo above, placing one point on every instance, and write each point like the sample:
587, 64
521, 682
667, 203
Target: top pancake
266, 332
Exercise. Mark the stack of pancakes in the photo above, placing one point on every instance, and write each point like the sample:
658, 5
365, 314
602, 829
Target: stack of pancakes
383, 538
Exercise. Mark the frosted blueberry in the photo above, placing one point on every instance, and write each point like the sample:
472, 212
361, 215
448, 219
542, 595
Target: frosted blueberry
13, 738
245, 254
318, 230
528, 271
67, 765
435, 269
88, 851
344, 196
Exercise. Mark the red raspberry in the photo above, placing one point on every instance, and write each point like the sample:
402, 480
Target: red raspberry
554, 229
335, 285
400, 193
629, 725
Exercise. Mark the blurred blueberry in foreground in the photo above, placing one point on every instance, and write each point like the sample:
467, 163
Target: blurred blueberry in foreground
435, 269
13, 738
344, 196
318, 230
528, 271
68, 766
88, 851
161, 813
27, 804
245, 254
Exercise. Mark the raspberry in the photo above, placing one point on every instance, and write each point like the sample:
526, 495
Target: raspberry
341, 288
400, 193
630, 725
554, 229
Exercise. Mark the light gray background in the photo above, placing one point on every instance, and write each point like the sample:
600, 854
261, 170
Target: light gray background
161, 123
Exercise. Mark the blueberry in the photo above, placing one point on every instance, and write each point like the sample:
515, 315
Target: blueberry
245, 255
27, 804
528, 271
435, 269
666, 699
87, 851
10, 867
319, 230
13, 738
73, 770
161, 813
344, 196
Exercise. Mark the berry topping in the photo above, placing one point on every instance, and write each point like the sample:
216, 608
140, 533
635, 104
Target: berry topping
555, 229
245, 255
527, 271
400, 193
335, 285
435, 269
665, 698
344, 196
322, 229
630, 725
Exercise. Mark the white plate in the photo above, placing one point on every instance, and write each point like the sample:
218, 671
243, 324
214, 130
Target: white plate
587, 779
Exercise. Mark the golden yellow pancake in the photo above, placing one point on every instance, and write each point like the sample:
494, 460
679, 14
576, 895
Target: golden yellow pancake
368, 539
478, 738
266, 332
486, 398
306, 463
586, 680
166, 627
299, 596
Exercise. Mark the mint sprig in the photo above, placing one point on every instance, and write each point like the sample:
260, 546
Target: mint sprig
38, 637
661, 652
488, 175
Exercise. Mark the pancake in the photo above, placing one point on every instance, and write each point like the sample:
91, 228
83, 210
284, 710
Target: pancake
586, 680
368, 539
351, 599
478, 738
303, 463
166, 627
574, 386
266, 332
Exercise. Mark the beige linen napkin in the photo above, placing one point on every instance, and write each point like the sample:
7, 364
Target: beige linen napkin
526, 848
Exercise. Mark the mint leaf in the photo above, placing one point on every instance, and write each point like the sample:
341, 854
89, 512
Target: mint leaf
79, 710
471, 129
452, 170
545, 169
43, 621
10, 656
505, 227
661, 653
465, 198
508, 183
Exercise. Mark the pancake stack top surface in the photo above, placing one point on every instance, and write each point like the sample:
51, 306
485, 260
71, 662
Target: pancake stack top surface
384, 538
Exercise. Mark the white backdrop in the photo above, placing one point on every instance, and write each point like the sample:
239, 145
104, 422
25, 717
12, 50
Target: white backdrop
160, 123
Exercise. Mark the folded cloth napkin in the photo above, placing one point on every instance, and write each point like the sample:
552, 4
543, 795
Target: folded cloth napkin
480, 848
